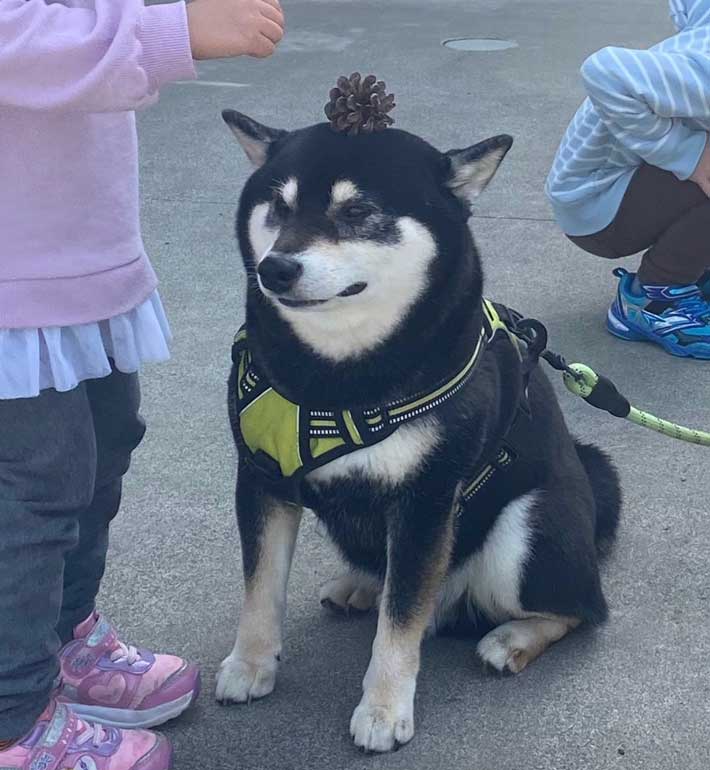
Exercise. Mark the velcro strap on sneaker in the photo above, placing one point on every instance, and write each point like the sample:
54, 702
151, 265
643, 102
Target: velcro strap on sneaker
88, 651
51, 748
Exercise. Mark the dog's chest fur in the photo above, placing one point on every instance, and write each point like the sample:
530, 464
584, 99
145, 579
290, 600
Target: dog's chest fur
390, 462
351, 495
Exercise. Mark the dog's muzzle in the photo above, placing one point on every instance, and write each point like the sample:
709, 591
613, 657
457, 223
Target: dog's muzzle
280, 273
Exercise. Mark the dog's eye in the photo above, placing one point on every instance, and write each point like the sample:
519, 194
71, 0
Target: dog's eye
355, 212
280, 207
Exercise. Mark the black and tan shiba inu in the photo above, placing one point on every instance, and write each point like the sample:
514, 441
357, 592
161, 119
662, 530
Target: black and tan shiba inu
373, 385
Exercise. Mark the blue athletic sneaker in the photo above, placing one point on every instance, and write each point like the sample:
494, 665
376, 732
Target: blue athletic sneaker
675, 317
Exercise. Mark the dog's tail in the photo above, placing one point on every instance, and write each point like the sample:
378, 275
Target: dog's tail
606, 489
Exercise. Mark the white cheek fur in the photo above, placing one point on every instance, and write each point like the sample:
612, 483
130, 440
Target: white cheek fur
396, 275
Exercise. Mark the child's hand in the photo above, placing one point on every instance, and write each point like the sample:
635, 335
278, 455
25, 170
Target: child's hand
226, 28
701, 175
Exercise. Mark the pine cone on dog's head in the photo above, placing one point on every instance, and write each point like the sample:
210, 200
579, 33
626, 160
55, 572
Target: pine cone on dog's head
359, 105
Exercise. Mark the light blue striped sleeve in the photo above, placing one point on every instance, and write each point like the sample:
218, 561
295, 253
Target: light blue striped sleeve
688, 14
643, 96
679, 13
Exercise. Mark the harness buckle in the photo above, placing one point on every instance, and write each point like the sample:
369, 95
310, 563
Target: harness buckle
371, 423
504, 457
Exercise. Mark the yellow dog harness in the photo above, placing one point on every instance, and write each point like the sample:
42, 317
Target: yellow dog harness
285, 441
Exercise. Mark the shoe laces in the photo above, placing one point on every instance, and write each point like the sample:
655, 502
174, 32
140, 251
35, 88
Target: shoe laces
90, 731
696, 307
125, 652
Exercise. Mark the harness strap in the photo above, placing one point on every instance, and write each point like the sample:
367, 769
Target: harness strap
412, 407
403, 410
504, 458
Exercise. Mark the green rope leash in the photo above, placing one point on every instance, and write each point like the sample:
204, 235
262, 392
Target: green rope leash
599, 391
581, 380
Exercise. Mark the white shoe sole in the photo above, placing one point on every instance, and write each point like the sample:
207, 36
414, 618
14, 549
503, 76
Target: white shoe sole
129, 719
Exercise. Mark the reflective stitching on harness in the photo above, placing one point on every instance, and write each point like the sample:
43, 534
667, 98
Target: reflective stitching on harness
414, 407
503, 458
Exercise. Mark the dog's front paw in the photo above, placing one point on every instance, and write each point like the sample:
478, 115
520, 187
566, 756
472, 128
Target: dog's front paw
382, 728
351, 591
239, 681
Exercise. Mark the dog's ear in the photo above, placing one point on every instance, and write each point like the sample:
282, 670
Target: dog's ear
254, 137
471, 170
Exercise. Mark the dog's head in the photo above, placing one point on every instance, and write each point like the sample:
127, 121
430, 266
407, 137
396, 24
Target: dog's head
345, 235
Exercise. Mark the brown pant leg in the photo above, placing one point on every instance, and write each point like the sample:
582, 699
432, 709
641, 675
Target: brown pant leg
669, 218
682, 254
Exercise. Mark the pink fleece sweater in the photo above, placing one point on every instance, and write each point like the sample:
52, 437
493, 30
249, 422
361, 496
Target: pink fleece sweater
71, 74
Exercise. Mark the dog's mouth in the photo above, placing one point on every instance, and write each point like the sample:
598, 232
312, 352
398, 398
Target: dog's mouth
351, 291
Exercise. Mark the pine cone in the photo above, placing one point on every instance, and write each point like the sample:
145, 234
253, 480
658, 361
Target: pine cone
359, 106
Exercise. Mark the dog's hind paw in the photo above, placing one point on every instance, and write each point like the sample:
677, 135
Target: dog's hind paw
381, 728
352, 591
499, 653
513, 645
239, 681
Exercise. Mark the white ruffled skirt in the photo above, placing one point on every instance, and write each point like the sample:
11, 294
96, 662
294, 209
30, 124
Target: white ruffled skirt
61, 357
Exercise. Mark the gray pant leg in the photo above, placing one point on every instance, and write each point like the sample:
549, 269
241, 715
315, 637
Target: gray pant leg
114, 403
47, 477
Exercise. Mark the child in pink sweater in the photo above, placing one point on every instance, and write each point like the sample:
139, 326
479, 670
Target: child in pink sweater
79, 314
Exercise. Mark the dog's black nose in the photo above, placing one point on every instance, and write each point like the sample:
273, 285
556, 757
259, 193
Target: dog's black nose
279, 273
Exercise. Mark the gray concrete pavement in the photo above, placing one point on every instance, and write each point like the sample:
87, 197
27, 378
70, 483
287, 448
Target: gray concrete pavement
633, 694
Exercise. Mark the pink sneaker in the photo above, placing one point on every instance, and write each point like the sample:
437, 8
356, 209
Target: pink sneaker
107, 681
61, 741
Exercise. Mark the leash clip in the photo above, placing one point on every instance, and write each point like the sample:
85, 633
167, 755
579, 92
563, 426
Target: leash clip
534, 334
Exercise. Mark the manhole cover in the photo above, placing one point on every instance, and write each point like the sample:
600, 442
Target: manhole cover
479, 44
